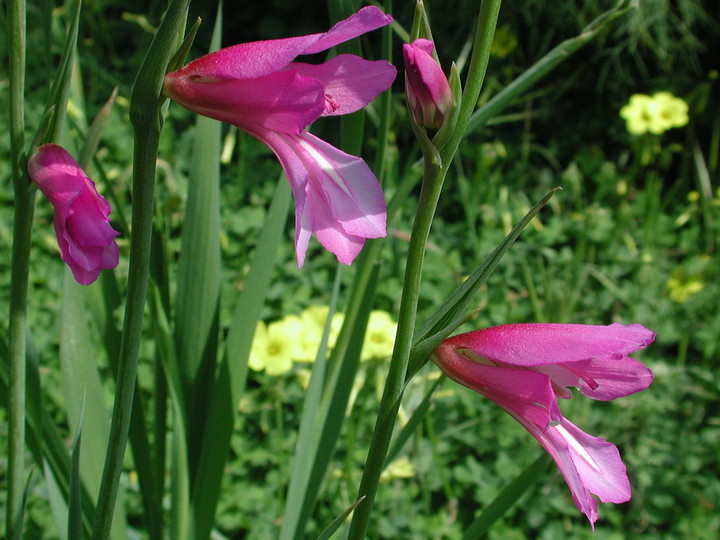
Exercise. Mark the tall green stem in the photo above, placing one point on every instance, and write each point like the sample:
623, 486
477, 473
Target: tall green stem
147, 121
429, 196
24, 208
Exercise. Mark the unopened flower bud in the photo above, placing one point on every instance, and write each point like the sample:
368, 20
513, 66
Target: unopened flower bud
427, 87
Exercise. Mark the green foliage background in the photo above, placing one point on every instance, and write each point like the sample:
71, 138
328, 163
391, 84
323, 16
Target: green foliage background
630, 218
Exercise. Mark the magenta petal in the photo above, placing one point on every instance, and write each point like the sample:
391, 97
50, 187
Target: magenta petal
525, 394
256, 87
367, 19
350, 82
353, 195
524, 368
337, 196
282, 101
601, 379
56, 174
85, 237
540, 344
259, 58
428, 90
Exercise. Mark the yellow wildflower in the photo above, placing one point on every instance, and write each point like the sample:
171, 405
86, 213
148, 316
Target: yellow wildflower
673, 111
681, 287
379, 337
313, 319
654, 114
402, 467
275, 345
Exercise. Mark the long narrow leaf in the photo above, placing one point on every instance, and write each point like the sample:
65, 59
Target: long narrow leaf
507, 497
342, 367
179, 472
233, 368
408, 429
74, 504
336, 523
543, 67
306, 446
199, 269
81, 385
61, 86
43, 440
451, 314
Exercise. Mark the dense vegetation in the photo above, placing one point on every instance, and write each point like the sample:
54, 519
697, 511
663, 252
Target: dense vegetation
632, 237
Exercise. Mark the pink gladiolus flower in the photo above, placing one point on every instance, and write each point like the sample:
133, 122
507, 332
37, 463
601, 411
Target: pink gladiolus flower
84, 235
524, 368
258, 88
426, 86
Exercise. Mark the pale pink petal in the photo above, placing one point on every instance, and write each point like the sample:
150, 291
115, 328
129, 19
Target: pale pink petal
590, 465
328, 231
598, 463
352, 191
340, 198
350, 82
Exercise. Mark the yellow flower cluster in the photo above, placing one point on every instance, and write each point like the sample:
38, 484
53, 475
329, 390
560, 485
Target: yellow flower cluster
296, 339
681, 287
654, 114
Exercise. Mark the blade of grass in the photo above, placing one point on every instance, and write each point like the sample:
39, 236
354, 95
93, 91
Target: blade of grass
543, 67
413, 422
336, 523
179, 472
232, 371
507, 497
79, 367
341, 369
20, 262
306, 444
199, 273
147, 122
63, 80
81, 384
45, 443
451, 313
24, 207
74, 505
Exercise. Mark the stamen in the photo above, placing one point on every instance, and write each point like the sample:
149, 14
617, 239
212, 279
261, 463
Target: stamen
475, 357
589, 380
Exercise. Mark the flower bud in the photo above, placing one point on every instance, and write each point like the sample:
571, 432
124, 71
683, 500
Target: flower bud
427, 87
84, 235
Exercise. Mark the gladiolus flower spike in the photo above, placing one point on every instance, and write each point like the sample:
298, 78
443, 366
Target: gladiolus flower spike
84, 234
258, 88
524, 368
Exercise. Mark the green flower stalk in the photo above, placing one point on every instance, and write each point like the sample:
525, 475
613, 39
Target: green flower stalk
24, 208
147, 120
436, 168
